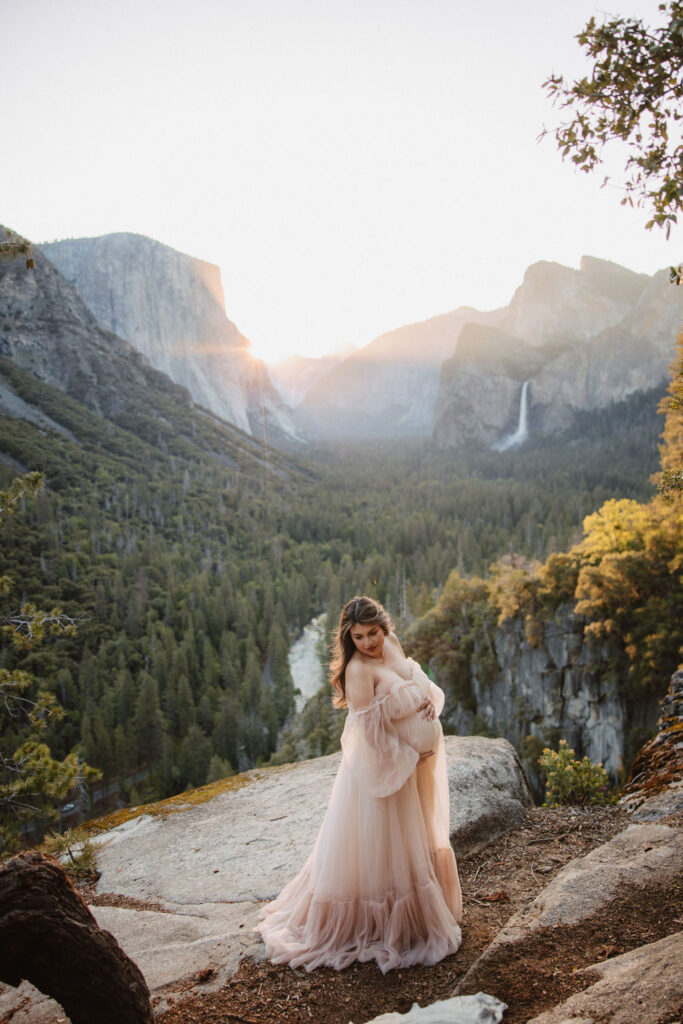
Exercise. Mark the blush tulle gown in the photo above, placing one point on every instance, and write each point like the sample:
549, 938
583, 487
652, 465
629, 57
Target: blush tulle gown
381, 882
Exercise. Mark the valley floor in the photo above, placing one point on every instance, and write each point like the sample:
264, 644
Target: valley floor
497, 882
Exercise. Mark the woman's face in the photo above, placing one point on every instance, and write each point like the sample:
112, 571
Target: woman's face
369, 638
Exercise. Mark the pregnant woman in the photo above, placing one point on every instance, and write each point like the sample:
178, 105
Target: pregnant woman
381, 882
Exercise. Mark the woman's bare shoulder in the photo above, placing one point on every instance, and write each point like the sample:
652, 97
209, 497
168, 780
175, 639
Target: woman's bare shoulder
394, 642
359, 682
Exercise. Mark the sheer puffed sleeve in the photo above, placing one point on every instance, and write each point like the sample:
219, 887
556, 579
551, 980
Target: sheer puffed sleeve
428, 688
379, 760
438, 697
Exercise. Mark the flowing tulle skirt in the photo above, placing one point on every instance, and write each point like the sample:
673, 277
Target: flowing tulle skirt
380, 884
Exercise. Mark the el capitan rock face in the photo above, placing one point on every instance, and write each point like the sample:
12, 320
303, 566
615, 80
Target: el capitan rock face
171, 308
46, 328
47, 332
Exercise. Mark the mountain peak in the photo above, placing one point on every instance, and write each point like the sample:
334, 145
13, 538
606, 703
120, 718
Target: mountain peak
171, 308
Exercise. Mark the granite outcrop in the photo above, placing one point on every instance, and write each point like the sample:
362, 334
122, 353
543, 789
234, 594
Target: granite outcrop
583, 340
654, 787
186, 879
554, 684
171, 308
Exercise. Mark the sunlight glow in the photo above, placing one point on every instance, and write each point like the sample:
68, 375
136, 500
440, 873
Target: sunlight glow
351, 165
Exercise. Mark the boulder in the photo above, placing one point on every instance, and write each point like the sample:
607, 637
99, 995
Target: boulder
645, 985
190, 877
49, 937
654, 787
488, 790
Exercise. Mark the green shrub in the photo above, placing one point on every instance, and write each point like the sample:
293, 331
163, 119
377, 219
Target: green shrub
74, 851
569, 781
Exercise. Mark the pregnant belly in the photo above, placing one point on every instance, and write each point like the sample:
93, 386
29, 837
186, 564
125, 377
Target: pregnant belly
418, 732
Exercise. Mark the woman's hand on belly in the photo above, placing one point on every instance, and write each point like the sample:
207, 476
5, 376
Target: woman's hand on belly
427, 710
423, 757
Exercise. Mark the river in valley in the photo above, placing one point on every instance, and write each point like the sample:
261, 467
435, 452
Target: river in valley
304, 660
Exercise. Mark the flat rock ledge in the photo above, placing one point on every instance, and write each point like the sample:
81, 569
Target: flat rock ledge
645, 985
633, 868
206, 869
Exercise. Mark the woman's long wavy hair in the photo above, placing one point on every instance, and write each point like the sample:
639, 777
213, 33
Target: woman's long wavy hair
362, 611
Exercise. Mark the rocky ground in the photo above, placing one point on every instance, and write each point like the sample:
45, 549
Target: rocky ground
497, 882
571, 915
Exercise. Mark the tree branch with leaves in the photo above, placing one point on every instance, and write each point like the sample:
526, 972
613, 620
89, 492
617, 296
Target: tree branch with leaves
634, 95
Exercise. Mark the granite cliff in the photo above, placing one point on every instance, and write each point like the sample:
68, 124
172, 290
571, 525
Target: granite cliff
556, 684
171, 308
47, 329
583, 339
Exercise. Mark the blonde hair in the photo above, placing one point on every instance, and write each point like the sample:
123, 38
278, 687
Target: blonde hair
358, 611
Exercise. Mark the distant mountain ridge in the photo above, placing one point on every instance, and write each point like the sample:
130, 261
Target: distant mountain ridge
584, 338
171, 308
389, 387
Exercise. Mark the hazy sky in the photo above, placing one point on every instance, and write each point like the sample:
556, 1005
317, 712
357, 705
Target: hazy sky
351, 165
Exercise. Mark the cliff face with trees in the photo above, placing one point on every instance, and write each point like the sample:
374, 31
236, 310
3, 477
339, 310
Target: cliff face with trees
578, 646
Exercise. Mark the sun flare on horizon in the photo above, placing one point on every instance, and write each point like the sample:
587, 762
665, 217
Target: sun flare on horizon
351, 167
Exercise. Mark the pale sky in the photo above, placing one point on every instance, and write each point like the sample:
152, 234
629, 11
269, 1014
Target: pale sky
351, 165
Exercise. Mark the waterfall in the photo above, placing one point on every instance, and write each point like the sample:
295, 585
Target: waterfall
522, 432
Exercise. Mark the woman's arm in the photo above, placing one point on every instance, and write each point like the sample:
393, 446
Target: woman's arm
360, 684
426, 708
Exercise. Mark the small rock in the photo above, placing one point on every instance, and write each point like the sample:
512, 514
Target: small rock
477, 1009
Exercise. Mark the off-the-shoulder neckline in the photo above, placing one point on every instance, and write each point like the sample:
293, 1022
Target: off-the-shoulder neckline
377, 701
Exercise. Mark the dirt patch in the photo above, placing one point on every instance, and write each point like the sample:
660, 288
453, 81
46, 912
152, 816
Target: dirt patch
112, 899
87, 887
540, 973
497, 882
